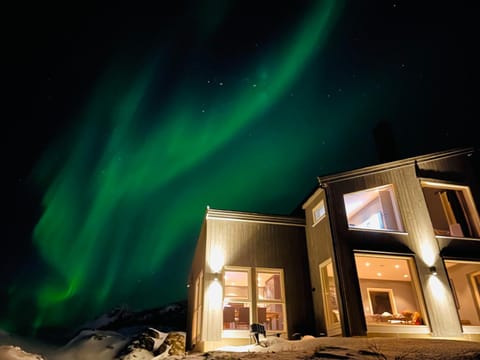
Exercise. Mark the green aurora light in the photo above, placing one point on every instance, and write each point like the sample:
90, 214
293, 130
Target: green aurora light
127, 188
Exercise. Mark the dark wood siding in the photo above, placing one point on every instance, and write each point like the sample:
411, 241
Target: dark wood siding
461, 170
319, 246
418, 240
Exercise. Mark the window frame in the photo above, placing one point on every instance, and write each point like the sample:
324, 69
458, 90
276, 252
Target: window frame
472, 215
229, 299
391, 298
281, 301
320, 205
253, 298
464, 281
374, 324
393, 202
331, 306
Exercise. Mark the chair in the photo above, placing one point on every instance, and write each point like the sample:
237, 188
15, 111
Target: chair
262, 315
228, 317
243, 317
255, 331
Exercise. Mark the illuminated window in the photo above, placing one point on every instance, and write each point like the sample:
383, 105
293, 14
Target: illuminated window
237, 300
452, 209
390, 291
318, 212
464, 279
374, 208
197, 308
270, 299
330, 303
266, 296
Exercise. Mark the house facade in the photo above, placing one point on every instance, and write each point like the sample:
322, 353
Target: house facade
386, 250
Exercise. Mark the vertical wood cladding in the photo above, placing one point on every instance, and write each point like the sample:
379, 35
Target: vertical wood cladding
417, 240
299, 247
258, 244
319, 247
198, 265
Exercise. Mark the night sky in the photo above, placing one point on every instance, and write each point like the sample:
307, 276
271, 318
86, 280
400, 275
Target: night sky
122, 123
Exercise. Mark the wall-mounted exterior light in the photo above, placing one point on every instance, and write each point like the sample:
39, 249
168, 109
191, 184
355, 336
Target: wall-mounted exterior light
433, 270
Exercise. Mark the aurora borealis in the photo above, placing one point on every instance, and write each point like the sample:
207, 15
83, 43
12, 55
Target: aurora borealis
229, 106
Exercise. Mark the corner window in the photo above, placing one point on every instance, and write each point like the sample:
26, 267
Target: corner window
318, 212
452, 209
374, 208
266, 295
464, 278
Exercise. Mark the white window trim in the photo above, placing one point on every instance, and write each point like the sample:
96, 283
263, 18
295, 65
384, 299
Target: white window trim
321, 204
394, 202
465, 189
281, 301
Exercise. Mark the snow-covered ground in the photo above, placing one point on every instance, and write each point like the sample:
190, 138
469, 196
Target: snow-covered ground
153, 335
105, 345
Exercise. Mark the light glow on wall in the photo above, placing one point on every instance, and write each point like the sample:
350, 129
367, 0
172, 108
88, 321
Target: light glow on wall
216, 259
437, 287
427, 253
214, 296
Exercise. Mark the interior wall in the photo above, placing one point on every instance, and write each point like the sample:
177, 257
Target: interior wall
402, 294
468, 310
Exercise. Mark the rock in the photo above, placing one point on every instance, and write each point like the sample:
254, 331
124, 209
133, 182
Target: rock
174, 344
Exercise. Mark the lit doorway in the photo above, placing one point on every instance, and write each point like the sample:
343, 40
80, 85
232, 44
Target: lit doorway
330, 302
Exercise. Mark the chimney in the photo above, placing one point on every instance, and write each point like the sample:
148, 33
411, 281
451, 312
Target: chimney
385, 142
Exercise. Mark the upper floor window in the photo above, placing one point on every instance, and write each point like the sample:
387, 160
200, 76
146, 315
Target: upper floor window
452, 209
318, 212
374, 208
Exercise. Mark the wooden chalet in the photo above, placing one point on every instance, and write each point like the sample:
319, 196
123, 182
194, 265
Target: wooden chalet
386, 250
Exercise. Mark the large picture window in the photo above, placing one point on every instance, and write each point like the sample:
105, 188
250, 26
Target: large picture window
374, 208
464, 279
390, 292
452, 210
257, 288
